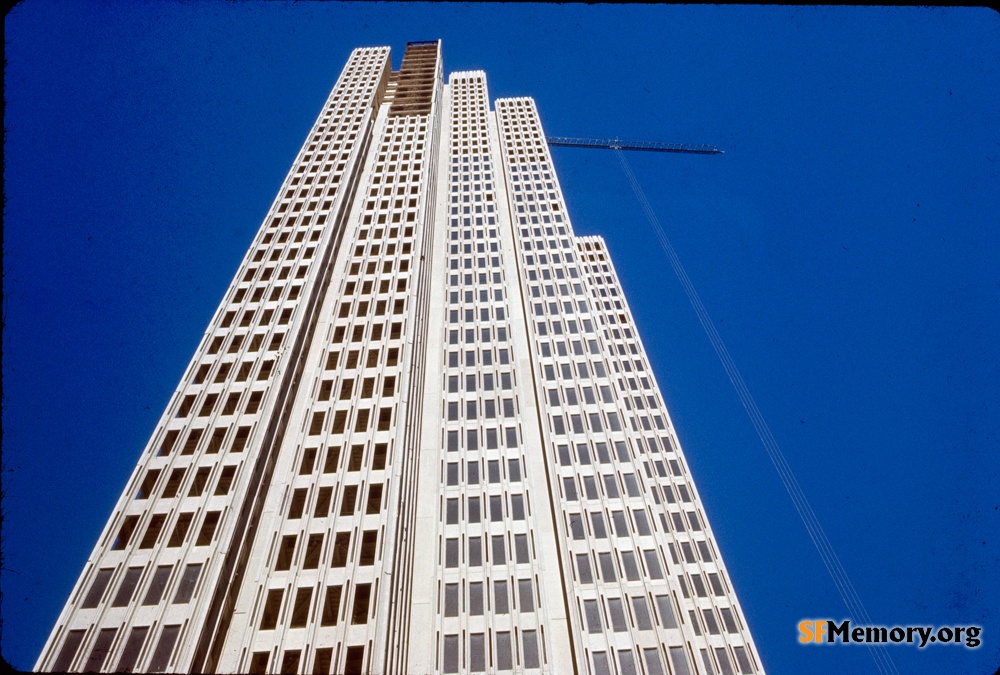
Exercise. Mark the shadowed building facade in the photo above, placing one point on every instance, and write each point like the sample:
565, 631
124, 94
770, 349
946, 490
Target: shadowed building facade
420, 434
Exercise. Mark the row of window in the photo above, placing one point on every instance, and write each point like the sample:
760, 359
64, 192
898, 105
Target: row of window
133, 579
507, 596
365, 550
175, 479
129, 658
505, 654
155, 527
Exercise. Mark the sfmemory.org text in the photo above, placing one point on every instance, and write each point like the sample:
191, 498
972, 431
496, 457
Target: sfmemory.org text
829, 631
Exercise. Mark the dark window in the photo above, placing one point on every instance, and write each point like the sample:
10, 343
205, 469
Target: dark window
323, 498
374, 499
168, 443
68, 651
101, 581
225, 480
208, 528
331, 607
298, 503
290, 662
269, 619
153, 530
127, 587
173, 484
332, 460
130, 654
356, 459
300, 610
341, 544
362, 597
308, 460
199, 482
180, 530
185, 589
258, 664
164, 648
349, 500
215, 442
355, 661
314, 547
286, 552
192, 441
368, 547
148, 483
378, 457
324, 658
157, 585
240, 441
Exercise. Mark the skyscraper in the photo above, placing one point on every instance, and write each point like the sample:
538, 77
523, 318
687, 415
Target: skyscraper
419, 435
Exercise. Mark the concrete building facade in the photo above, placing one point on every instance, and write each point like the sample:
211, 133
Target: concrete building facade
420, 434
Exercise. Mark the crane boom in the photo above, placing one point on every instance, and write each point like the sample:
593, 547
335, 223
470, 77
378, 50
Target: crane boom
618, 144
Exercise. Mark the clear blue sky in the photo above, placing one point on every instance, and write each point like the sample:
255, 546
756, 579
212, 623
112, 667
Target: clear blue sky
845, 244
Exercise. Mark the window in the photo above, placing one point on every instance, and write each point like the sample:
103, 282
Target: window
215, 442
503, 651
153, 530
500, 602
477, 652
272, 607
331, 606
185, 589
180, 530
148, 483
525, 595
130, 654
225, 480
341, 544
593, 614
617, 613
666, 611
101, 581
374, 498
530, 643
308, 460
314, 547
290, 661
607, 567
451, 653
354, 661
362, 596
297, 504
199, 482
300, 609
164, 648
476, 598
379, 455
451, 600
157, 585
208, 528
127, 587
286, 552
369, 539
68, 651
332, 460
517, 507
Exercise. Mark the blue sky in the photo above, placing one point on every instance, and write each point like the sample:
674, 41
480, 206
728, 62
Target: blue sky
845, 246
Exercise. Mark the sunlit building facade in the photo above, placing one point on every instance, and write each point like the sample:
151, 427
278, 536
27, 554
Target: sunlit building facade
420, 434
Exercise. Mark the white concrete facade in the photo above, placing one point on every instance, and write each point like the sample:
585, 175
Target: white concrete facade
420, 435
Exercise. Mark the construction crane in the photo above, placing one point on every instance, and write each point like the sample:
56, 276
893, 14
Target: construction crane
618, 144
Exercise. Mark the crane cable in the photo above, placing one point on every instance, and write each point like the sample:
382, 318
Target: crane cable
823, 546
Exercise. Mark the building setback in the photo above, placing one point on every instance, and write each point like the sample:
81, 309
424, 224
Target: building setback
420, 434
